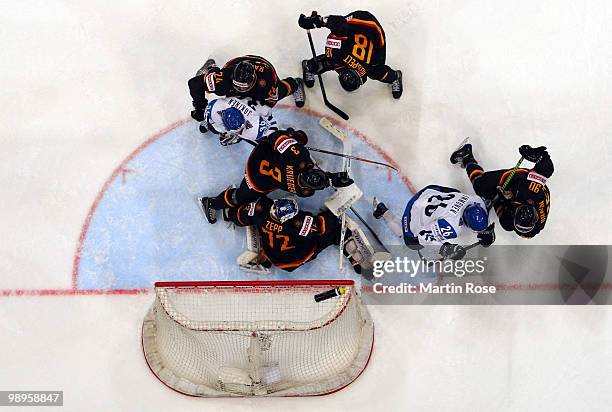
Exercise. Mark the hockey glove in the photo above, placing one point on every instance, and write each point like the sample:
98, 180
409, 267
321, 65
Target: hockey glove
227, 139
487, 236
198, 114
450, 251
311, 22
380, 210
532, 154
340, 179
503, 194
300, 136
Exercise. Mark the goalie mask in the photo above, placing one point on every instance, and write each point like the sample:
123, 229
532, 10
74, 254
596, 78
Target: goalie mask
284, 209
244, 76
525, 219
315, 179
349, 79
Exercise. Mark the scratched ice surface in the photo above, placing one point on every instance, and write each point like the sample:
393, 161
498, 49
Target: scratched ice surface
148, 227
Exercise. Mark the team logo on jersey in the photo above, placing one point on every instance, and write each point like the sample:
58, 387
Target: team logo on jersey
305, 230
535, 177
333, 43
210, 82
286, 144
261, 83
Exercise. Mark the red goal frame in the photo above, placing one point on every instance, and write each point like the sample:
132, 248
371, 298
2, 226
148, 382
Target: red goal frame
256, 283
212, 283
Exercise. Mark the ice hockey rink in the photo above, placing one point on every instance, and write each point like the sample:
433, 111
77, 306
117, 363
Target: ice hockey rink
88, 86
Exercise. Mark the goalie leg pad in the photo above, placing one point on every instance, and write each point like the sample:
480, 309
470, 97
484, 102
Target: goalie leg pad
359, 250
357, 246
252, 259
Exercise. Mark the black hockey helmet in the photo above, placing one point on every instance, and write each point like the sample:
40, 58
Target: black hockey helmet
315, 179
244, 76
350, 80
525, 218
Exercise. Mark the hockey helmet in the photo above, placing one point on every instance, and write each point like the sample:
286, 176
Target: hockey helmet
232, 118
349, 79
284, 209
244, 76
525, 218
476, 217
315, 179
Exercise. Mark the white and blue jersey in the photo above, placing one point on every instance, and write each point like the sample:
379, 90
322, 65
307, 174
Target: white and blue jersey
434, 215
258, 120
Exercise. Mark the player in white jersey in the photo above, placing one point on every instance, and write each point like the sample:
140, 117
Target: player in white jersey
435, 215
232, 118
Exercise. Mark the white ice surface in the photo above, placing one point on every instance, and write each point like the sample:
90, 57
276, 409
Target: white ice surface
85, 83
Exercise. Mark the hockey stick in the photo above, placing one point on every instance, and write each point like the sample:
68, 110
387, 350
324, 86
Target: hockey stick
328, 294
325, 100
347, 149
369, 228
511, 175
249, 141
325, 123
441, 259
361, 159
502, 190
314, 149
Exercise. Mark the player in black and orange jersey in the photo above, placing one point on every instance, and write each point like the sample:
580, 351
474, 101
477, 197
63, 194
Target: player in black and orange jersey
355, 48
524, 205
251, 77
279, 161
290, 237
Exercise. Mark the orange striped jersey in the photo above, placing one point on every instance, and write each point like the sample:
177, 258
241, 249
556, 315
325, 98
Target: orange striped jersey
357, 41
290, 244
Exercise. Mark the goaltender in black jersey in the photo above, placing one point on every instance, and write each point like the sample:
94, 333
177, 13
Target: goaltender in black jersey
289, 237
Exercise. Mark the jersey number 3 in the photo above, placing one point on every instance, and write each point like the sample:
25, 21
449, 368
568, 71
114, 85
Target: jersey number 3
274, 172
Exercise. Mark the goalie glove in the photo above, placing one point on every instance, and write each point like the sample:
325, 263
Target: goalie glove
340, 179
487, 236
453, 252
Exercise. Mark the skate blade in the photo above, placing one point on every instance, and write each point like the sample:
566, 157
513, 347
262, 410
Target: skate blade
463, 142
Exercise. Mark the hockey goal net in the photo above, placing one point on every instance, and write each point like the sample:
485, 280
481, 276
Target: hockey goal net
257, 338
